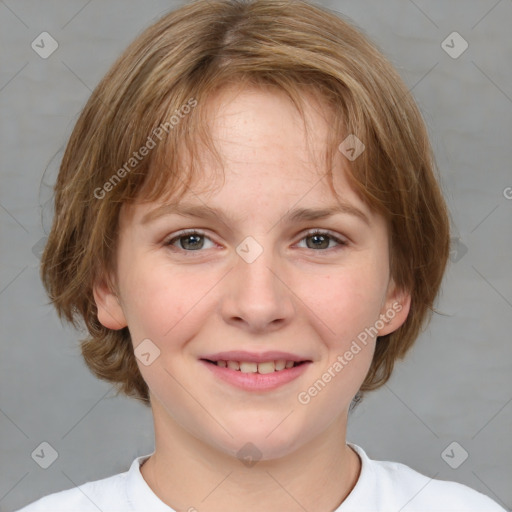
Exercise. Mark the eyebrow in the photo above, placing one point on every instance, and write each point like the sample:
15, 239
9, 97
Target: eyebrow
297, 215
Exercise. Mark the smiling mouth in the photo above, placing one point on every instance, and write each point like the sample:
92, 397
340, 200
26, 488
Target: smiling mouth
265, 367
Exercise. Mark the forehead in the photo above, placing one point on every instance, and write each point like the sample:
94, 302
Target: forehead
263, 125
272, 158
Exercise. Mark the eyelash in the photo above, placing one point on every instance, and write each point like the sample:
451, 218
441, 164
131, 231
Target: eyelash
169, 243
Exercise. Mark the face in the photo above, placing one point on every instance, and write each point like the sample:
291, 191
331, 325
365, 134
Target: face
255, 281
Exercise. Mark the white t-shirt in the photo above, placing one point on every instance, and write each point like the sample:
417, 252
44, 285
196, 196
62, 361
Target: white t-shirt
382, 486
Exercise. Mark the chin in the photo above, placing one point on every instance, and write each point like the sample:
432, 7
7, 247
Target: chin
262, 441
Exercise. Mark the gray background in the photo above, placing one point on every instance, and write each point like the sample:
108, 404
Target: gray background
456, 384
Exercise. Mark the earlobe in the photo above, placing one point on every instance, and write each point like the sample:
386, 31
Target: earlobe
110, 312
395, 310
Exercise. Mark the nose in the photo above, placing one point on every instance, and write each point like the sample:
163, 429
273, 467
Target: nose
257, 298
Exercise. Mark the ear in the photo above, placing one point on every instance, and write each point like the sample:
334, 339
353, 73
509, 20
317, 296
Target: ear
110, 312
395, 309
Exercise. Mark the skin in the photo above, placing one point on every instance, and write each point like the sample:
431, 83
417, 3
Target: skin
293, 297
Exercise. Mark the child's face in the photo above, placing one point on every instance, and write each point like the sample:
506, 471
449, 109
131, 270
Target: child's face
293, 297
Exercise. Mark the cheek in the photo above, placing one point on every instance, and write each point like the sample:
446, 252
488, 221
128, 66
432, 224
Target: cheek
150, 302
348, 301
162, 302
348, 305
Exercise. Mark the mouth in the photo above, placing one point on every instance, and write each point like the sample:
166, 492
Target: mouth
262, 368
256, 372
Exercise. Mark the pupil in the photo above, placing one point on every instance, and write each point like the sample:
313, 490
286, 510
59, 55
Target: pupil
194, 245
322, 238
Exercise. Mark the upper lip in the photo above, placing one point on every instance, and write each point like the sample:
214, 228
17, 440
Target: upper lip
253, 357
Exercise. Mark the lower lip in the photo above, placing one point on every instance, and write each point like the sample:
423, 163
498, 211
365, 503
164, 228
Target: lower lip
257, 381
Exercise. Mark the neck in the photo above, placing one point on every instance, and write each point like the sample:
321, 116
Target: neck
188, 474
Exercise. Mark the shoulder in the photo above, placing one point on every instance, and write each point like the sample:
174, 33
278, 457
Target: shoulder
402, 488
105, 494
419, 492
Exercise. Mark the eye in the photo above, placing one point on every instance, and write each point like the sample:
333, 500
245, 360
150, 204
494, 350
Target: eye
190, 240
321, 240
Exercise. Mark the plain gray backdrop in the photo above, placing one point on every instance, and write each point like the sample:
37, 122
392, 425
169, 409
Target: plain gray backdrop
455, 386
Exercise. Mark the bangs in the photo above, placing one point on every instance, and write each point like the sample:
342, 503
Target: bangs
184, 146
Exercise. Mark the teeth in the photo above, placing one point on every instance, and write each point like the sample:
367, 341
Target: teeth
251, 367
280, 364
233, 365
267, 367
248, 367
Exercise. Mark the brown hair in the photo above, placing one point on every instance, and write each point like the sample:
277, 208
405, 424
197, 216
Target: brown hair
182, 60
